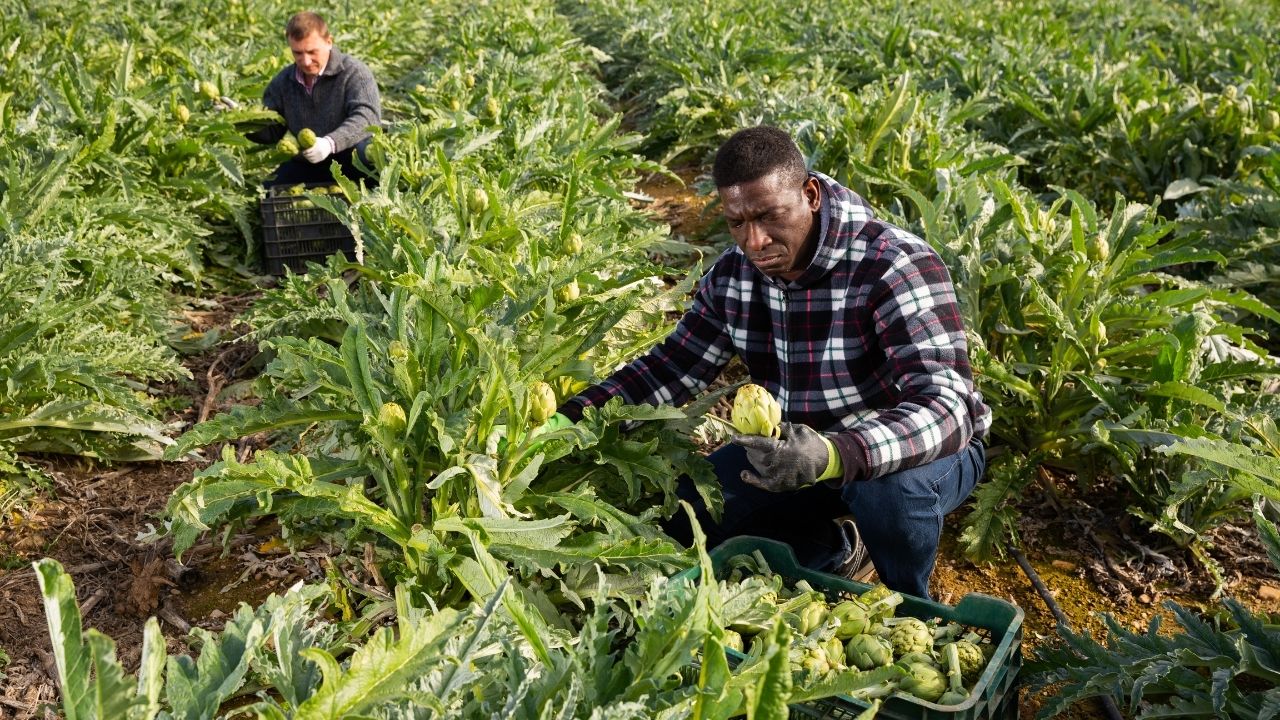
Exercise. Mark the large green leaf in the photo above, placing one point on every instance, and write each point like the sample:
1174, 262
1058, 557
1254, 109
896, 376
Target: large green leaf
1261, 472
196, 688
271, 415
92, 683
383, 669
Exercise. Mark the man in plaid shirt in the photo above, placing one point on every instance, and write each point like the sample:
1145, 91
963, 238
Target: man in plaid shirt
853, 325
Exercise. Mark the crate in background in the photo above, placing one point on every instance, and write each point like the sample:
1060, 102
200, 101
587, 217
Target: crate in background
993, 697
295, 231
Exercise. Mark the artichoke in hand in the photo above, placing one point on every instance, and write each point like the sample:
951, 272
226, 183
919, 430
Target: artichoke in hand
756, 412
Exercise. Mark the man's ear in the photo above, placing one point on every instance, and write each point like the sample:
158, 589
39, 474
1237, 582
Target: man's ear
812, 193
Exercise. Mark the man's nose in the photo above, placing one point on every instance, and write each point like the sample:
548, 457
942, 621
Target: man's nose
754, 238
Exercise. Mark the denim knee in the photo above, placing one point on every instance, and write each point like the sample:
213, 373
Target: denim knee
899, 515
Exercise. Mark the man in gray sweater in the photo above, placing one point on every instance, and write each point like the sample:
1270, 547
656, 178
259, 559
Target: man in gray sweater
324, 90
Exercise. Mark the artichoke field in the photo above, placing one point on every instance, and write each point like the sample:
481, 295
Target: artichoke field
1103, 183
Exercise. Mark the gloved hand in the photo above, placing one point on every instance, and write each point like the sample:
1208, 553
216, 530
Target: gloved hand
798, 458
321, 150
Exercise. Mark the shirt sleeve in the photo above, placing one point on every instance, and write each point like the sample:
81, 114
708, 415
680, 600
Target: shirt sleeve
919, 326
271, 100
675, 370
362, 107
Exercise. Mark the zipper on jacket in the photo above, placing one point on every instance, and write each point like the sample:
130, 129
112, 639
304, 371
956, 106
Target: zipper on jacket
784, 394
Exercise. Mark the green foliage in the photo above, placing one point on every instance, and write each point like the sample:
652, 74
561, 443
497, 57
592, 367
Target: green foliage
1227, 668
1202, 671
76, 353
403, 382
1035, 159
631, 658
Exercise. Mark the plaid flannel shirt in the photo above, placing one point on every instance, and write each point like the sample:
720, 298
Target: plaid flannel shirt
867, 346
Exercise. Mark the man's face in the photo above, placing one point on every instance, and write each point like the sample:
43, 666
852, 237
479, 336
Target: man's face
310, 54
772, 221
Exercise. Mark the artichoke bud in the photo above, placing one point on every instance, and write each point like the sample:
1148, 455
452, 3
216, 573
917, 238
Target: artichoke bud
1271, 121
208, 90
911, 635
834, 650
477, 200
733, 640
183, 114
867, 652
756, 412
398, 351
924, 681
492, 108
307, 138
816, 665
811, 616
971, 660
1099, 249
542, 402
569, 292
392, 419
877, 593
572, 244
455, 105
288, 145
469, 80
853, 619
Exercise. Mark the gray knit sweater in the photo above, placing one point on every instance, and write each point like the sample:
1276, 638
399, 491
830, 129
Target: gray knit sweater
343, 103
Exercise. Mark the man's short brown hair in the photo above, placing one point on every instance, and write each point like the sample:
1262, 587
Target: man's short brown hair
303, 24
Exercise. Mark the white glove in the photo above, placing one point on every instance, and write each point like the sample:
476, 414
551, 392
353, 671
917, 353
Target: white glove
321, 150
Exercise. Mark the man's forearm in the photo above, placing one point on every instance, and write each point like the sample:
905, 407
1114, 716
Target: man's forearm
268, 135
355, 128
904, 437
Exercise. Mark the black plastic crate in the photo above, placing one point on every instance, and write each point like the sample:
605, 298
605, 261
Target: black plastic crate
295, 231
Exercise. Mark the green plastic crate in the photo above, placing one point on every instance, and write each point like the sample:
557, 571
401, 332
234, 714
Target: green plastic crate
995, 695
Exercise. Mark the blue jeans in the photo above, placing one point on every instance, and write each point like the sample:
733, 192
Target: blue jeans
298, 170
899, 516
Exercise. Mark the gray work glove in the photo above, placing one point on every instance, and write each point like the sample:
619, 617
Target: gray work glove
798, 458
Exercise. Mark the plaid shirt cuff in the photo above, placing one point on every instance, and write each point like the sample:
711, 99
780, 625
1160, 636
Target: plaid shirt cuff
853, 457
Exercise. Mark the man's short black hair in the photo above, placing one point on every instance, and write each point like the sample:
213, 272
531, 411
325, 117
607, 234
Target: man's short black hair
754, 152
